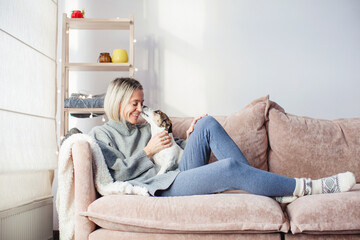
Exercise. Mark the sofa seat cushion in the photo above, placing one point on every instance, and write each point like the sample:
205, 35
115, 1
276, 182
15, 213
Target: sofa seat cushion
216, 213
322, 236
101, 234
326, 213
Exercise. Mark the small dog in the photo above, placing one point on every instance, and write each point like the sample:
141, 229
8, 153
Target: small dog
167, 158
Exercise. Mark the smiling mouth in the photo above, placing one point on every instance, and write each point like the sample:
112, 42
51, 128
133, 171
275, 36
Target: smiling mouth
135, 115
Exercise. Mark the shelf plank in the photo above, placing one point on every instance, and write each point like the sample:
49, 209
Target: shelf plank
100, 24
98, 66
84, 110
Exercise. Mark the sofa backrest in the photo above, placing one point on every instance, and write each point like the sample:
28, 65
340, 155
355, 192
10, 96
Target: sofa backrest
290, 145
307, 147
246, 127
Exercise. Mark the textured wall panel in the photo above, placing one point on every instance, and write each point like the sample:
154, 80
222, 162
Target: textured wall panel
24, 187
27, 143
33, 22
27, 79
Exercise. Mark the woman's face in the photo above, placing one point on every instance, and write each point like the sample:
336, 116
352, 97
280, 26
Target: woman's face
133, 108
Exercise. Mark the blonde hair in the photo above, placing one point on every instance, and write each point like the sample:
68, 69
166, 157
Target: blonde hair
119, 93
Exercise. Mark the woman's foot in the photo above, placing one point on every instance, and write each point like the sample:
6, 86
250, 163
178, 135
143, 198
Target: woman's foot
341, 182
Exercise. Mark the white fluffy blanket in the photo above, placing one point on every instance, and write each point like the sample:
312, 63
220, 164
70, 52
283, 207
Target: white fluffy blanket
103, 182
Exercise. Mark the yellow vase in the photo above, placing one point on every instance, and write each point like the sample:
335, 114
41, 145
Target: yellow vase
120, 56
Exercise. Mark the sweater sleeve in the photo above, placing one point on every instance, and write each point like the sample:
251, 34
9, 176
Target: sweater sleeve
180, 142
122, 168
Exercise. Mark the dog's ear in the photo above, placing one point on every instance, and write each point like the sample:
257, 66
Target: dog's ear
166, 122
170, 128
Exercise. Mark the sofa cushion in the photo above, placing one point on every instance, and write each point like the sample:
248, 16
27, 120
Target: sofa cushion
246, 127
217, 213
321, 237
315, 148
326, 213
102, 234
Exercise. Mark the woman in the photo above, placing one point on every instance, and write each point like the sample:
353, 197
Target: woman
127, 149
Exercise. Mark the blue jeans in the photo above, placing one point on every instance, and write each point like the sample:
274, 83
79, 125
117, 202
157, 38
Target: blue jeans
232, 171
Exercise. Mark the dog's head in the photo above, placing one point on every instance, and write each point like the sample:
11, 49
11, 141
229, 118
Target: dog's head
157, 118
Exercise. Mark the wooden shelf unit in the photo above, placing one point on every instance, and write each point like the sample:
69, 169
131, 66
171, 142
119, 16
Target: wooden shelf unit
66, 66
100, 23
98, 66
84, 110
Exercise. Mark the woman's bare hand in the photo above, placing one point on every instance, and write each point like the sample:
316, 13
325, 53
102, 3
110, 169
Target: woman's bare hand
157, 143
191, 128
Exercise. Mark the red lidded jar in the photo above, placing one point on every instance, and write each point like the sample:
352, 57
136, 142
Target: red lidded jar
76, 14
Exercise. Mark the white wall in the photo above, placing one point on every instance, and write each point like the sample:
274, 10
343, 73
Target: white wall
216, 56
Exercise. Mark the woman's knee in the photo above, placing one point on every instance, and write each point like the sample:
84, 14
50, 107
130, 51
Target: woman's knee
229, 165
207, 122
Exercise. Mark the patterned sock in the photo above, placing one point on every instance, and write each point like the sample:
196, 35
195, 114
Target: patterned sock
341, 182
303, 187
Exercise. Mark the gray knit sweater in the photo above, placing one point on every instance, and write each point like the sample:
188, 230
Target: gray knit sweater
123, 150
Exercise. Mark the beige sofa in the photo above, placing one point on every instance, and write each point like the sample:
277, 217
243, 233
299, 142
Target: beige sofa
271, 140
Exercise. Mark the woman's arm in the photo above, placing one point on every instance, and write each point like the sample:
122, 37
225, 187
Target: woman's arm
121, 167
157, 143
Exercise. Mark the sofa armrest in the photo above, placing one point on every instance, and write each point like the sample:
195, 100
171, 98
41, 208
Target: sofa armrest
85, 192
